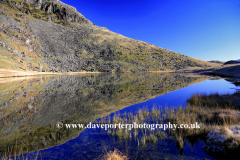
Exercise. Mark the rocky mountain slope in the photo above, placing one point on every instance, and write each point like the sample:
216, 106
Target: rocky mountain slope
44, 35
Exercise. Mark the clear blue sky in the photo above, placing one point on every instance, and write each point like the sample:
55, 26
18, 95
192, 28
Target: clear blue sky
203, 29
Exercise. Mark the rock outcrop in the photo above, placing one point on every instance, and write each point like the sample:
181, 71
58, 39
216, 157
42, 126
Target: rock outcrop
224, 142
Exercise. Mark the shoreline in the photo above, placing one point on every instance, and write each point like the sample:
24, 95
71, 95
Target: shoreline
231, 71
216, 70
6, 73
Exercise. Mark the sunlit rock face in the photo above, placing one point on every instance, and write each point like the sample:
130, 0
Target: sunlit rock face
63, 11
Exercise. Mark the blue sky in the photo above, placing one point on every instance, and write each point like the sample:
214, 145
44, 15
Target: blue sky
203, 29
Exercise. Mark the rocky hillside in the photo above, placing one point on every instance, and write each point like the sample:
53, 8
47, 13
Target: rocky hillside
44, 35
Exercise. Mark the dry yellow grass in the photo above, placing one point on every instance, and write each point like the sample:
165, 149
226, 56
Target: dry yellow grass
15, 73
113, 155
212, 112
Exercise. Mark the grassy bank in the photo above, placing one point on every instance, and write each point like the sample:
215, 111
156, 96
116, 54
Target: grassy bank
218, 116
11, 153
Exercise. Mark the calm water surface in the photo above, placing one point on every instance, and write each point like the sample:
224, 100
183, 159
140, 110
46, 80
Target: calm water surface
31, 107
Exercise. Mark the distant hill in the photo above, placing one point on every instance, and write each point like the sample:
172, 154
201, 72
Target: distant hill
232, 62
52, 36
216, 61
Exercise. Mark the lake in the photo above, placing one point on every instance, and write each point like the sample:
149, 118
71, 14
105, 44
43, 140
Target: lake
30, 108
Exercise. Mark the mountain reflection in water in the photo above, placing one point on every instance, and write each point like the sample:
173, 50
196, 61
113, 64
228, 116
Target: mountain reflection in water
30, 107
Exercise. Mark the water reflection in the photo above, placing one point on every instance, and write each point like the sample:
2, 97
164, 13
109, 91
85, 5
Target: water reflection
92, 143
30, 107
